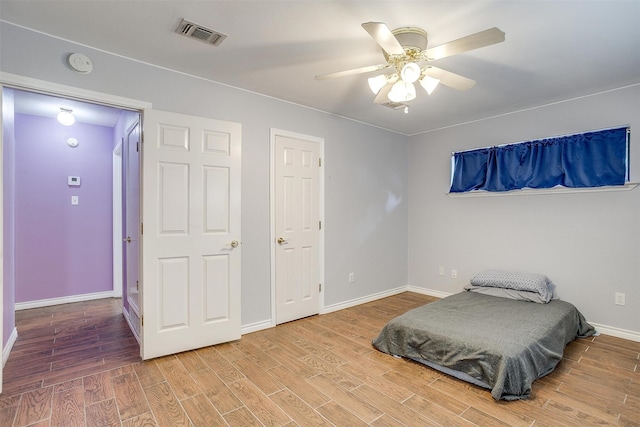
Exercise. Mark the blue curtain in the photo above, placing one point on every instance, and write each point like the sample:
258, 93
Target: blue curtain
591, 159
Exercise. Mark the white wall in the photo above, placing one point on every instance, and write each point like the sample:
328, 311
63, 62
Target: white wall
587, 243
365, 167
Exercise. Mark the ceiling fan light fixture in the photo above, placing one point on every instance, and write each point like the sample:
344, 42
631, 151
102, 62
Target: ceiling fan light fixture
429, 83
402, 92
65, 117
410, 72
376, 83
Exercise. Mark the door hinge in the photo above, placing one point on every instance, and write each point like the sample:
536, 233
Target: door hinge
137, 286
319, 225
137, 146
142, 320
319, 161
141, 228
319, 287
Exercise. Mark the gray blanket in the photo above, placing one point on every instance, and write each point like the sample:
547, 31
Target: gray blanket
500, 343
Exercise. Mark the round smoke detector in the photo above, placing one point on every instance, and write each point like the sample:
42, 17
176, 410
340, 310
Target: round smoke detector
80, 63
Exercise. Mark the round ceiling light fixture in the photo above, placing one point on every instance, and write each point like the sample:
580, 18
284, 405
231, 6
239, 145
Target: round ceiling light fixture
410, 72
402, 91
65, 117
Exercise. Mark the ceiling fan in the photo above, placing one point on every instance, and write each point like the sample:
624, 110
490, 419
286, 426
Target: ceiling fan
407, 56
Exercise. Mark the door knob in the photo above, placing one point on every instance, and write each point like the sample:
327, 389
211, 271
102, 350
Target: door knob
281, 241
234, 244
128, 239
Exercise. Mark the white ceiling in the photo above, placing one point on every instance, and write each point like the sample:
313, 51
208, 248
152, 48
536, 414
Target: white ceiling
554, 50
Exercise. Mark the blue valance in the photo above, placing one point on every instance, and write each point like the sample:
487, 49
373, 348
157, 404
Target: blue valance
591, 159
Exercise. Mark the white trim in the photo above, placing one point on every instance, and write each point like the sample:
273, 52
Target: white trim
10, 342
617, 332
430, 292
363, 300
2, 237
62, 300
556, 190
34, 85
127, 318
257, 326
273, 132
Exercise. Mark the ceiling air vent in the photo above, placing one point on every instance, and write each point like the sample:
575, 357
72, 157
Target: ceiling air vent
198, 32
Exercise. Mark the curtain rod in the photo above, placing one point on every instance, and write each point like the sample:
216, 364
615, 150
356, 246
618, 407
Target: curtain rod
628, 127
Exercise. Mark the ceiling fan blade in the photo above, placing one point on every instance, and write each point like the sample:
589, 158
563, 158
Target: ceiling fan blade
383, 95
384, 37
447, 78
464, 44
351, 72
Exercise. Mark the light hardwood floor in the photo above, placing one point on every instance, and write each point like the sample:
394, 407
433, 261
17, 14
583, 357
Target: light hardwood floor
78, 365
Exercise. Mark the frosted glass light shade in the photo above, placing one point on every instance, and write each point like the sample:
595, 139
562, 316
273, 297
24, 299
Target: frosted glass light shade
402, 91
410, 72
65, 117
376, 83
429, 83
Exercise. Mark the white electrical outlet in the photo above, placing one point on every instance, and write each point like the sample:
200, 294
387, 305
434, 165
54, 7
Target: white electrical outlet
352, 277
620, 299
454, 274
74, 200
441, 271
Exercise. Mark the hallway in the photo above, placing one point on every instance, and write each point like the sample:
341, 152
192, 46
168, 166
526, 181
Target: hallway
59, 343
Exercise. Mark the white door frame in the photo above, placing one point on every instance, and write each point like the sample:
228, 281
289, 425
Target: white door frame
15, 81
2, 255
272, 212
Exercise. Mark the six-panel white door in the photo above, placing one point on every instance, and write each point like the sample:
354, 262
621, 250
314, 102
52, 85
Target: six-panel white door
191, 236
297, 234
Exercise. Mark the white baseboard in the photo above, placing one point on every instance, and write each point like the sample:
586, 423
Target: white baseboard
266, 324
7, 348
257, 326
127, 318
430, 292
617, 332
362, 300
62, 300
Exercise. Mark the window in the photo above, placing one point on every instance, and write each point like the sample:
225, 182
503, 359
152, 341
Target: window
593, 159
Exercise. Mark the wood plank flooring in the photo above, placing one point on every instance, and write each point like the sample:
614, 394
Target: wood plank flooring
78, 365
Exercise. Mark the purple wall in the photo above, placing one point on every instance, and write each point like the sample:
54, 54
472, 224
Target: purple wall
62, 250
8, 216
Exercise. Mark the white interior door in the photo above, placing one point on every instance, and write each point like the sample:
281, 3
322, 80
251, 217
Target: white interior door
297, 227
190, 241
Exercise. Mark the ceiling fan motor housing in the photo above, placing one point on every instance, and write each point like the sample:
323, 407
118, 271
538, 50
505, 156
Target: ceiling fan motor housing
410, 38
